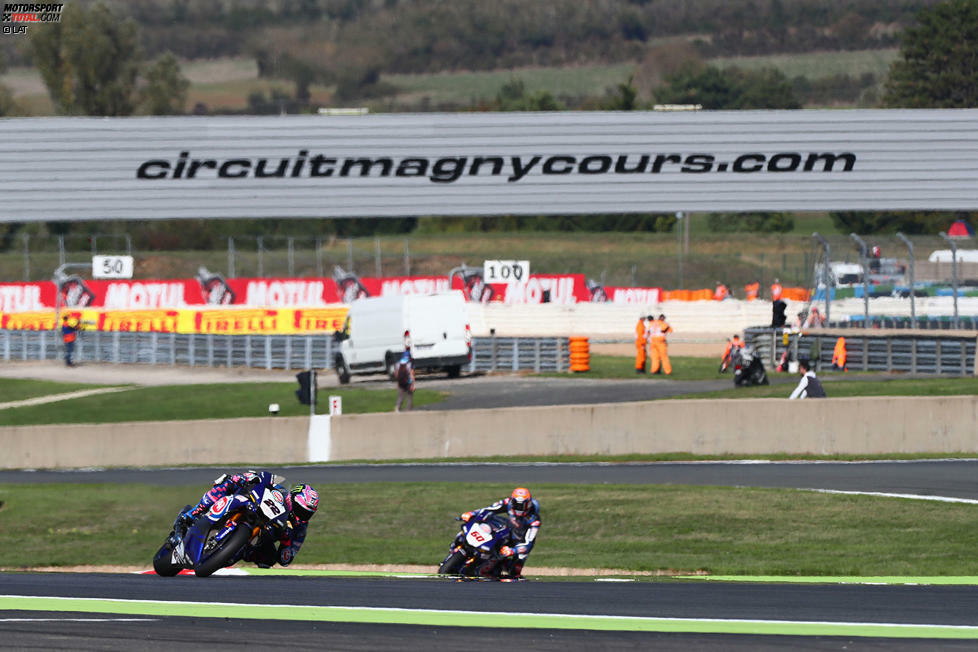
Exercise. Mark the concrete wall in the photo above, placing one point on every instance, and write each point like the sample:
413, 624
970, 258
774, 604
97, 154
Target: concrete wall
731, 426
269, 440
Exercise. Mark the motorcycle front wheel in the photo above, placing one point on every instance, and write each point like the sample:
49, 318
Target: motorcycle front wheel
452, 564
222, 555
163, 562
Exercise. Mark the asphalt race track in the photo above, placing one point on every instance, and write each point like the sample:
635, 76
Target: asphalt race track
423, 613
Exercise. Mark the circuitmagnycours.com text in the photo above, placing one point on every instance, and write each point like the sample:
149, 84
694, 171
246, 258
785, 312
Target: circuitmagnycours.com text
448, 169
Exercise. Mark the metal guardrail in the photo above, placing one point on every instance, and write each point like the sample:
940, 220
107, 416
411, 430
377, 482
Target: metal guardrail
924, 353
261, 351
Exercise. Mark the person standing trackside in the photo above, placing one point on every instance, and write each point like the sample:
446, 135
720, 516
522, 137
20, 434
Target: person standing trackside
69, 333
809, 386
641, 343
404, 375
660, 353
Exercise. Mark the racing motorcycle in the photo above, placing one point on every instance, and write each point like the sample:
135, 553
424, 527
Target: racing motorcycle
219, 536
748, 368
479, 547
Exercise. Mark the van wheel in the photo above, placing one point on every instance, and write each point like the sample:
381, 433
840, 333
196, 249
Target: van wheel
342, 371
454, 371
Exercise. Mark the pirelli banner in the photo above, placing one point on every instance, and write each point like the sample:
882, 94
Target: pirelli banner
486, 164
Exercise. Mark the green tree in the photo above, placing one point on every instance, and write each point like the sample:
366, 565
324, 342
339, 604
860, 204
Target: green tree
729, 88
938, 64
165, 90
911, 223
625, 97
513, 96
89, 61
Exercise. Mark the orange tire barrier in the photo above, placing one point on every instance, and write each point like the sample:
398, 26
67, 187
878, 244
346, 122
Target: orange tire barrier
580, 354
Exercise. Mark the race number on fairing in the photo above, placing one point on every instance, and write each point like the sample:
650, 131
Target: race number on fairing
272, 504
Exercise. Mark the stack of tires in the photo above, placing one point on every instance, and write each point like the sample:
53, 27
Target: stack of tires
580, 354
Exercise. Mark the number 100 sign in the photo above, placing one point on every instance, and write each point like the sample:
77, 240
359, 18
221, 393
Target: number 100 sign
506, 271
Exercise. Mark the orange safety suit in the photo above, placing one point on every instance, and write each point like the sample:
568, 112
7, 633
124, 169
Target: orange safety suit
732, 344
752, 291
660, 356
776, 291
641, 342
839, 354
721, 292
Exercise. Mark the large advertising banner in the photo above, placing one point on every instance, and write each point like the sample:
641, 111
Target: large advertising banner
487, 163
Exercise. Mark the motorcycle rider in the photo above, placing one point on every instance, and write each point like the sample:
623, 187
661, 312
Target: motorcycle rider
301, 501
523, 511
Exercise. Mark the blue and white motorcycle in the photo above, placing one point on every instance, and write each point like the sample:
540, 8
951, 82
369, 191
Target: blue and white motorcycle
221, 536
480, 548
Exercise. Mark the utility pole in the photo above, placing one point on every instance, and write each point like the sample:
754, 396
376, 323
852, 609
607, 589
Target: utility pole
862, 256
913, 308
954, 273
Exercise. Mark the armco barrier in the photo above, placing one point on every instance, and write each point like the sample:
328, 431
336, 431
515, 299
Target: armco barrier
261, 351
843, 426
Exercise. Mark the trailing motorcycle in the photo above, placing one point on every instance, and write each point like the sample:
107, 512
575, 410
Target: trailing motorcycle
220, 536
748, 368
479, 548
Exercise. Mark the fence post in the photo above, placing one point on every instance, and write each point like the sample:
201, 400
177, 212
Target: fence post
173, 349
153, 344
268, 352
516, 354
191, 341
377, 257
227, 339
865, 353
913, 355
889, 353
291, 247
964, 356
230, 257
937, 351
27, 257
260, 244
248, 351
407, 258
319, 257
492, 358
536, 355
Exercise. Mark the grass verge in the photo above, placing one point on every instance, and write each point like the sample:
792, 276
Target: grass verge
184, 402
725, 531
18, 389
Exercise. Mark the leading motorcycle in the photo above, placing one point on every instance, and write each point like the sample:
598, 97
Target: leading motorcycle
220, 536
479, 548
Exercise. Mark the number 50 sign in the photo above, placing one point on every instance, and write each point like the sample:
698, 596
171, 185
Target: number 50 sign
506, 271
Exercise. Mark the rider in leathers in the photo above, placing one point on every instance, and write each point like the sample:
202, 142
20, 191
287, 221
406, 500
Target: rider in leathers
523, 512
301, 500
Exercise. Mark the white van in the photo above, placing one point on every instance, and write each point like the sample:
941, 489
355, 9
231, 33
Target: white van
378, 330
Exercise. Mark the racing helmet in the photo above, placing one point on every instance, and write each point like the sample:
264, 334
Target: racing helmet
520, 502
305, 501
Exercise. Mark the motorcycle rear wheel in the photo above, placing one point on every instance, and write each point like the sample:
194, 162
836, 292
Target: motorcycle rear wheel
162, 563
219, 559
453, 564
